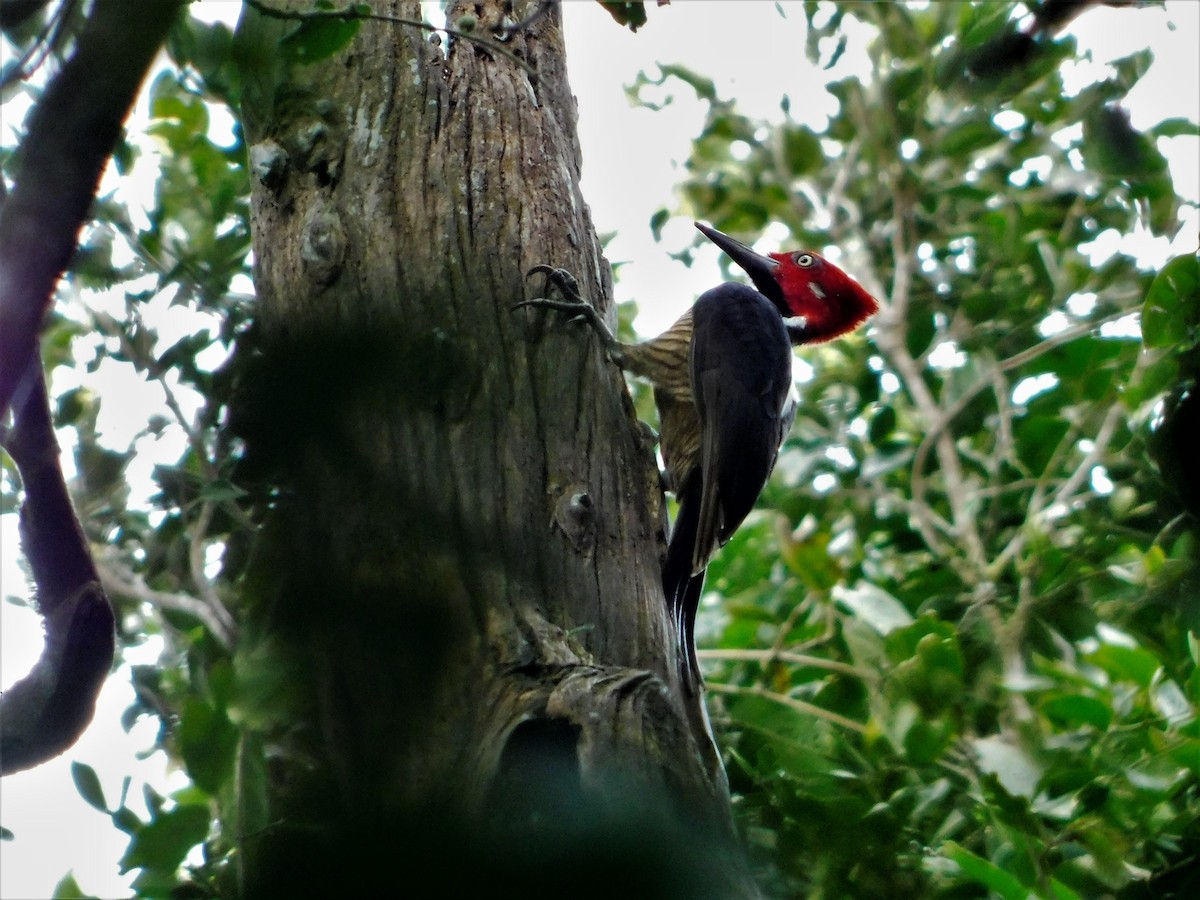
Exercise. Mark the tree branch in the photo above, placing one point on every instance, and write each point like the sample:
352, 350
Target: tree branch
799, 706
45, 712
196, 548
120, 580
1104, 435
936, 428
892, 341
766, 657
71, 134
12, 14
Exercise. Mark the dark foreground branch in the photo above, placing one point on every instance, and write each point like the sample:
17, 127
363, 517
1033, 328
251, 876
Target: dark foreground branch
45, 712
71, 134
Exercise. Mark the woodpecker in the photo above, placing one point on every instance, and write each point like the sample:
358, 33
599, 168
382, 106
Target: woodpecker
723, 387
740, 364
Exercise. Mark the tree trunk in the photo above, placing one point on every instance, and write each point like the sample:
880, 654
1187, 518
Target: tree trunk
455, 634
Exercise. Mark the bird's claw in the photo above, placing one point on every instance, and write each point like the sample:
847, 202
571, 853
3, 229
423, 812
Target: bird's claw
560, 279
563, 283
567, 287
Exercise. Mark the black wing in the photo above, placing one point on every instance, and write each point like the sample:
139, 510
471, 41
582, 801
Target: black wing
742, 376
741, 368
681, 585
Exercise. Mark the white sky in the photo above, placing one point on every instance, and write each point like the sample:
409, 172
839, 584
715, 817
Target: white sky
632, 158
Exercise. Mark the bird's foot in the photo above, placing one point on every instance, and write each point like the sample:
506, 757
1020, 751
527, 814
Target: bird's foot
560, 280
570, 300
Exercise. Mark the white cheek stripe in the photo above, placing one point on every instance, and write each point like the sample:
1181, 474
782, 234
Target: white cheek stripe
817, 290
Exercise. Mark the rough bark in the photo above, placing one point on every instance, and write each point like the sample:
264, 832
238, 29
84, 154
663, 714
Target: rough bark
459, 566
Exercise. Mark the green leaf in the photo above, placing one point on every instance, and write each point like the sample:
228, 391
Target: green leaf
221, 491
873, 605
1038, 436
249, 812
1126, 663
919, 334
163, 844
1176, 127
180, 115
68, 889
969, 137
1112, 146
802, 150
1017, 772
182, 353
87, 782
1131, 68
1170, 703
318, 39
1171, 313
657, 221
705, 88
631, 13
72, 404
1073, 710
1062, 892
207, 741
789, 740
923, 742
1186, 752
1150, 381
883, 423
809, 559
980, 23
977, 869
126, 820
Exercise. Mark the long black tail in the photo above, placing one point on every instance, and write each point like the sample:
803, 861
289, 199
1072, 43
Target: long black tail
681, 586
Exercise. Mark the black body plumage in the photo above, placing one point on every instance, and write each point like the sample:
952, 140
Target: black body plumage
741, 375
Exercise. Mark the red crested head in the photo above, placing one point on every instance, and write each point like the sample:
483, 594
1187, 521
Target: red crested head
817, 300
830, 302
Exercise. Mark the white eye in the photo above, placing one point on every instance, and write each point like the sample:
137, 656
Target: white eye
803, 260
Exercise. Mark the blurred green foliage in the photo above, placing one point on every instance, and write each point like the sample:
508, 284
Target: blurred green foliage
976, 559
955, 652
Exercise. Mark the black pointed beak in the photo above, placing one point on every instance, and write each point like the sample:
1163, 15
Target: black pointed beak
761, 269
